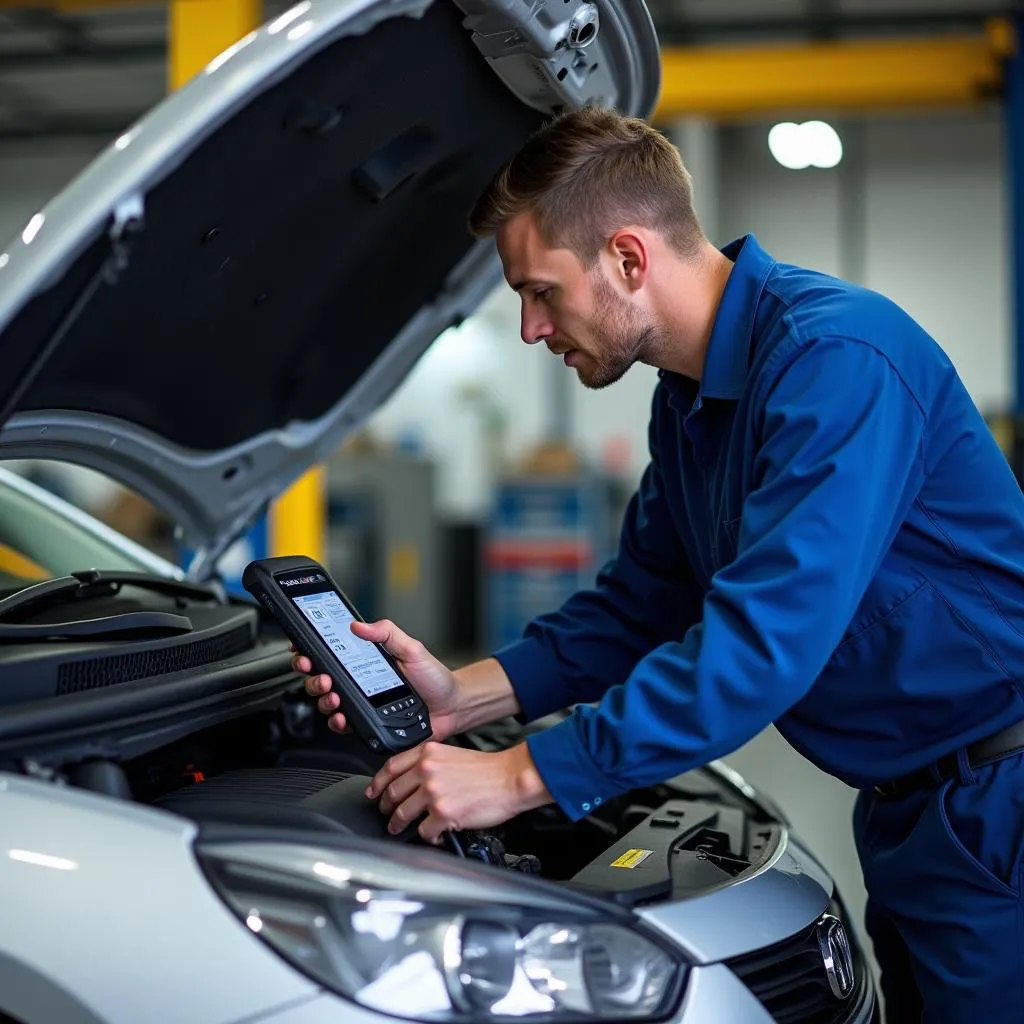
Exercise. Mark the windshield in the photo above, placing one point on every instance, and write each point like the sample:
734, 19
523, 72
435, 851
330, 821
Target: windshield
42, 536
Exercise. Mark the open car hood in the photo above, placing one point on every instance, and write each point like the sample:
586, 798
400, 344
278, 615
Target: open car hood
243, 276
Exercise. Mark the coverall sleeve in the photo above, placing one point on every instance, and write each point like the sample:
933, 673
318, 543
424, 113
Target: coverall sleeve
840, 461
643, 597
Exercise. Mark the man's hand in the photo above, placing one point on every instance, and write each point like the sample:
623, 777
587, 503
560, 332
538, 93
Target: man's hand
432, 680
457, 788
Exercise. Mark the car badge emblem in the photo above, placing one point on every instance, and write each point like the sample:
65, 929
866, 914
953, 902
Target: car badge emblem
837, 956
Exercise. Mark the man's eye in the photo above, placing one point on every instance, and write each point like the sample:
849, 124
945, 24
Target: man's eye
542, 294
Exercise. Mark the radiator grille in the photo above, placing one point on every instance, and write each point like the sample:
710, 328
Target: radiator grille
75, 676
789, 980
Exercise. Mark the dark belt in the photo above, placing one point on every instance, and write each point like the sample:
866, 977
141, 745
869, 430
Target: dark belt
993, 748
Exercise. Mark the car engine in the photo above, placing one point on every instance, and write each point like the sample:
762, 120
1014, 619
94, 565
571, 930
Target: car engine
161, 693
284, 770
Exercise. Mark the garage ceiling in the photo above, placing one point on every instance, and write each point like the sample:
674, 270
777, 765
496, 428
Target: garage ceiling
93, 73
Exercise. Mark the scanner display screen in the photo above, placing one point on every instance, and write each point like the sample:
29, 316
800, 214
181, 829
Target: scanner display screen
323, 607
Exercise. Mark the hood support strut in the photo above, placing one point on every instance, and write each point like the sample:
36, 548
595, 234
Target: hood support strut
127, 224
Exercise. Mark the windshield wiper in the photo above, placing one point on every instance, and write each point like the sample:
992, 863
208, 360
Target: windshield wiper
99, 583
109, 627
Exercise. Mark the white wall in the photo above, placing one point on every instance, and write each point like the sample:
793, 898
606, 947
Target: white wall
485, 358
937, 239
795, 215
933, 232
486, 354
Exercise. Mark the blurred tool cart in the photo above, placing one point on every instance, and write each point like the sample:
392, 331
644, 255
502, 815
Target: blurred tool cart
383, 538
548, 534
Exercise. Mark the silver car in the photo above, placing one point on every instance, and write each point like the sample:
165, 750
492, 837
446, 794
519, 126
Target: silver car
231, 287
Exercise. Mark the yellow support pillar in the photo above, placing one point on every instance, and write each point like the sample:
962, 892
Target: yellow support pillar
297, 524
199, 30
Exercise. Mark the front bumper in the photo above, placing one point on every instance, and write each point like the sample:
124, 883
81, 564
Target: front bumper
713, 993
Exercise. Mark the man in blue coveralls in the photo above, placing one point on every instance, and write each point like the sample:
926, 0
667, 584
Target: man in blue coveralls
826, 537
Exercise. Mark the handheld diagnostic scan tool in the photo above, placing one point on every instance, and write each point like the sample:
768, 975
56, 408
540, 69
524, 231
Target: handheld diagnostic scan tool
382, 708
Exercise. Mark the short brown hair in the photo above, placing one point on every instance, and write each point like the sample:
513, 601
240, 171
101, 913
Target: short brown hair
585, 174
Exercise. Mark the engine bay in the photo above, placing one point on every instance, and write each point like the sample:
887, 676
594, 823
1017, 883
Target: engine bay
125, 687
283, 770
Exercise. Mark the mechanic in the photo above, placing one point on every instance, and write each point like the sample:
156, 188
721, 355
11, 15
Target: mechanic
826, 538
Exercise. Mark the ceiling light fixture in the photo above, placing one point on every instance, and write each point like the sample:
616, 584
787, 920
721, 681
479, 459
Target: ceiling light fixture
811, 144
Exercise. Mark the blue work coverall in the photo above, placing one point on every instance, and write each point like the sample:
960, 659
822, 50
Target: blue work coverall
826, 537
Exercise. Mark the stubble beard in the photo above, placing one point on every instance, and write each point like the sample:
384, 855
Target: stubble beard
623, 337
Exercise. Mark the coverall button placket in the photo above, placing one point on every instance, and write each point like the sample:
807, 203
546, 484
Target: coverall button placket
701, 434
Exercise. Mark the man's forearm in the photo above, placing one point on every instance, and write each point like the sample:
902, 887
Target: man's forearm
485, 694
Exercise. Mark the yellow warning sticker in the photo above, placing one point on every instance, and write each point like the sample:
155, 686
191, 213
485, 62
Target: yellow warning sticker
631, 858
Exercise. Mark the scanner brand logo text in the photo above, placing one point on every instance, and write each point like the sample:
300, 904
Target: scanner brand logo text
300, 580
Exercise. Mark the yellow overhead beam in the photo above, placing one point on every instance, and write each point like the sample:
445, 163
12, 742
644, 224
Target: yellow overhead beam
707, 81
855, 75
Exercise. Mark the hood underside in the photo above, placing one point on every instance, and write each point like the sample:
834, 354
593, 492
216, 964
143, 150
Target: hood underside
248, 272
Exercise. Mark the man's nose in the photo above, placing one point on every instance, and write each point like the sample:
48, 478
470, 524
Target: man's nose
536, 328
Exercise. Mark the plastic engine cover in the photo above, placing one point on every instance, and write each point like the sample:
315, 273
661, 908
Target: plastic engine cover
298, 798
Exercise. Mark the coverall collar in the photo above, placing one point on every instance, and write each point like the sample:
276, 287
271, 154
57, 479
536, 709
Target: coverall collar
725, 368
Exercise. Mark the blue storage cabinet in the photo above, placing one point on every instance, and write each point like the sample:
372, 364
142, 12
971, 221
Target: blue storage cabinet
545, 539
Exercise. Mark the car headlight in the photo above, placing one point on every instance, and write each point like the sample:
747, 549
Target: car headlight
408, 939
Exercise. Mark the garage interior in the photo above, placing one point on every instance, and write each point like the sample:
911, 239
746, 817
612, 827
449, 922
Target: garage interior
878, 140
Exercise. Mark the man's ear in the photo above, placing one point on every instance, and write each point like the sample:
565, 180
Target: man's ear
631, 257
